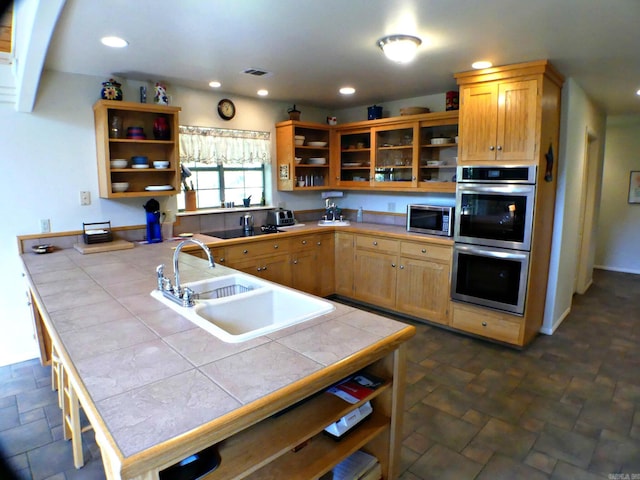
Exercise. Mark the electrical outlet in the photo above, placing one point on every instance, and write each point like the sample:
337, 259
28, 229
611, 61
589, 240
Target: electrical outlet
45, 225
85, 198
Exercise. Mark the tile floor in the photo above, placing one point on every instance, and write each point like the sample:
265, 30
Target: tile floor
567, 407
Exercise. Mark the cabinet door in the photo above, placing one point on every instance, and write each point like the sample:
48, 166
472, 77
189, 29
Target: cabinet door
478, 123
516, 132
375, 278
325, 264
344, 263
395, 155
423, 289
353, 167
305, 275
275, 268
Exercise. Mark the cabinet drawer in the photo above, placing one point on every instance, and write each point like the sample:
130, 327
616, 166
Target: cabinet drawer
426, 250
304, 242
377, 243
486, 323
256, 249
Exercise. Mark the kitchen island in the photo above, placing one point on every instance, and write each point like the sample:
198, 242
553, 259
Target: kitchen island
157, 389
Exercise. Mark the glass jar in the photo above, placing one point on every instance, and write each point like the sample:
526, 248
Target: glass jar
115, 127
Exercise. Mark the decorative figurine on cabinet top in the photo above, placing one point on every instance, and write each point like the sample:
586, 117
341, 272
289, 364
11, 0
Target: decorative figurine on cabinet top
111, 90
160, 96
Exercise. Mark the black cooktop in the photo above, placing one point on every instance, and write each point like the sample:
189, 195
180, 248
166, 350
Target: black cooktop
241, 232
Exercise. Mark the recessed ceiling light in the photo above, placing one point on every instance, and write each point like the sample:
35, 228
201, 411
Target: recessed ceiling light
263, 92
479, 65
115, 42
347, 90
215, 84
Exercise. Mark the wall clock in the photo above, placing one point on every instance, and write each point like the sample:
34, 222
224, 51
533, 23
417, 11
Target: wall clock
226, 109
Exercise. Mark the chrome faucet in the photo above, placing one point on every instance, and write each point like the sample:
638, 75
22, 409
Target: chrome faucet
180, 295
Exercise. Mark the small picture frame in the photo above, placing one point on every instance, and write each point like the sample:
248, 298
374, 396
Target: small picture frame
634, 186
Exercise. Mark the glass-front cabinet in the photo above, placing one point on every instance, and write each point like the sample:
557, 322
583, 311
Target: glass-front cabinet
395, 156
438, 156
354, 158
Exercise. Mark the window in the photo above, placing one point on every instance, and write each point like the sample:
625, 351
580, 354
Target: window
223, 165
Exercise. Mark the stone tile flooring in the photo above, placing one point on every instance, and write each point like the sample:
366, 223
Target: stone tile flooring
566, 407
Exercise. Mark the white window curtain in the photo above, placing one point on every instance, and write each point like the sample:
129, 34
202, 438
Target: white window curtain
219, 146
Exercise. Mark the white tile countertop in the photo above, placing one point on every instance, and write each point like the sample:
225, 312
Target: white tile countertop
149, 375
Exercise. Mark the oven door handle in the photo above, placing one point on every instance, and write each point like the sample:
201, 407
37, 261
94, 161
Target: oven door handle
492, 252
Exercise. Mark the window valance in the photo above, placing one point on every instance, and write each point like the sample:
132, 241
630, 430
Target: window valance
221, 146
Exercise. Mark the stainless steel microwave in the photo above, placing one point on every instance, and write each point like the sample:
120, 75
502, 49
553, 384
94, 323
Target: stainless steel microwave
430, 219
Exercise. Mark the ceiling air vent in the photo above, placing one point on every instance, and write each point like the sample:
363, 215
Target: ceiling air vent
256, 72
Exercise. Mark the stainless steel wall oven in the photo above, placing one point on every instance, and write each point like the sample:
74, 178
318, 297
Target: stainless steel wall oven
492, 234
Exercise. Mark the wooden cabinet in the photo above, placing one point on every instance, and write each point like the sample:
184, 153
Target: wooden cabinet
268, 259
389, 154
312, 268
501, 113
143, 182
304, 166
405, 276
488, 323
344, 263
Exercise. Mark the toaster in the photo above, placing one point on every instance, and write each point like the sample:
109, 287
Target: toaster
280, 217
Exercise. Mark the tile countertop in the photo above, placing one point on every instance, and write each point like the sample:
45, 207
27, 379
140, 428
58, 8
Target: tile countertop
150, 375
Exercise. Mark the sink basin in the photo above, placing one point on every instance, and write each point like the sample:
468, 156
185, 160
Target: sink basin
252, 308
334, 223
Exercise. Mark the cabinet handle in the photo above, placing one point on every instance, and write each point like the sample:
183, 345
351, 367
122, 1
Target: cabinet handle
221, 260
264, 268
499, 147
484, 324
413, 178
375, 244
401, 267
492, 148
245, 251
275, 246
424, 250
319, 243
259, 269
393, 265
304, 242
295, 262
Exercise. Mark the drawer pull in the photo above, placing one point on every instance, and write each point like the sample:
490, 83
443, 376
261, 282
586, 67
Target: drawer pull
375, 243
304, 242
264, 269
295, 262
484, 324
259, 269
424, 250
245, 251
275, 246
319, 243
221, 260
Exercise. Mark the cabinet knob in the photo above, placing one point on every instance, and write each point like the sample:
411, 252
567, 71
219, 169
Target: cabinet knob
484, 324
259, 269
393, 265
401, 267
245, 251
275, 246
413, 178
319, 243
499, 147
492, 148
304, 242
375, 243
424, 250
264, 268
221, 260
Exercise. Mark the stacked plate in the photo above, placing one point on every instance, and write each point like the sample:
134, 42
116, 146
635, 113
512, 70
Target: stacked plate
139, 161
317, 160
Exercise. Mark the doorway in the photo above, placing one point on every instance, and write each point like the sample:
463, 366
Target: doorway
589, 201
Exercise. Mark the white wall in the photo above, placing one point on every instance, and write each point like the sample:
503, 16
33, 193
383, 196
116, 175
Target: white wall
579, 115
619, 222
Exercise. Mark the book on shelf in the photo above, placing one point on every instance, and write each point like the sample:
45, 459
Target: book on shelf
358, 466
356, 387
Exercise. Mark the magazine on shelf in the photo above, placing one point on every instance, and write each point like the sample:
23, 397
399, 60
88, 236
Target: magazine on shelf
356, 387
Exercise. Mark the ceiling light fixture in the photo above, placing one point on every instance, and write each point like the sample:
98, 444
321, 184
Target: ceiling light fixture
479, 65
215, 84
399, 48
638, 92
347, 90
263, 92
115, 42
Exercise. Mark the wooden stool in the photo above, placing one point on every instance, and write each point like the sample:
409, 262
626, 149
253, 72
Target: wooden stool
71, 419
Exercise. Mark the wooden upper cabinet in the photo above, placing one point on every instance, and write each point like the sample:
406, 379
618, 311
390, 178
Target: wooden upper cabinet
501, 113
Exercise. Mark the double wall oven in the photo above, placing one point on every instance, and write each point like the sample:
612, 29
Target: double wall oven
492, 235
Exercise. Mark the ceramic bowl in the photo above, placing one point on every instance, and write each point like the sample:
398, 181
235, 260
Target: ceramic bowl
139, 160
161, 164
119, 187
119, 163
317, 144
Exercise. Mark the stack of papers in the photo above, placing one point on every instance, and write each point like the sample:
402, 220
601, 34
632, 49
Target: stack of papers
358, 466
